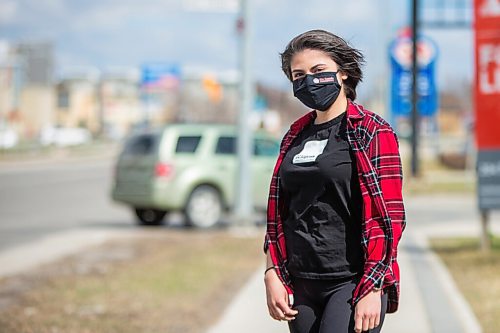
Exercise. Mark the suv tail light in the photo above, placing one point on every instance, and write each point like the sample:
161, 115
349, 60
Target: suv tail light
164, 170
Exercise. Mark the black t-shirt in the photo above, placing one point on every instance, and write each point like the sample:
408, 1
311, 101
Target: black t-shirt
321, 187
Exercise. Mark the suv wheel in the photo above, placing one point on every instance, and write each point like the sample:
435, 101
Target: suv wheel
148, 216
204, 207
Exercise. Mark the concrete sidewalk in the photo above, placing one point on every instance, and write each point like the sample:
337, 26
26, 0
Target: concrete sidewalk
248, 311
430, 301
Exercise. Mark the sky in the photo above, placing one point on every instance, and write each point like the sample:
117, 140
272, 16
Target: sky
110, 34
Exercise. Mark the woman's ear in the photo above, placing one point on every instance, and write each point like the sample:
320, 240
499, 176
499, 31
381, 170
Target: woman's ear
343, 76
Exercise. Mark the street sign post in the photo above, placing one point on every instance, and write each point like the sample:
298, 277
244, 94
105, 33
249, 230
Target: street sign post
243, 209
487, 107
244, 202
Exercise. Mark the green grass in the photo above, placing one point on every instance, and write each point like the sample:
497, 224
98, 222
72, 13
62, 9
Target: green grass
30, 150
423, 186
477, 274
173, 284
436, 178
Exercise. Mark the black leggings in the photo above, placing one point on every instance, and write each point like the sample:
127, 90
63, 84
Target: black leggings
325, 306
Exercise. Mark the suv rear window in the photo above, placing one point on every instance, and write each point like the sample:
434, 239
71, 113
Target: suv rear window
226, 145
187, 144
143, 144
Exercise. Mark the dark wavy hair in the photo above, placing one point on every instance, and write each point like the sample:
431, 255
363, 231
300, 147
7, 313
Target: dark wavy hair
348, 59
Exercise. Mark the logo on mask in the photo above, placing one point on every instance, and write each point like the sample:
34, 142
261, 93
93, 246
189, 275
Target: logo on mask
323, 79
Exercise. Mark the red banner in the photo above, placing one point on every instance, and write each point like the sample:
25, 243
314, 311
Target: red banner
487, 73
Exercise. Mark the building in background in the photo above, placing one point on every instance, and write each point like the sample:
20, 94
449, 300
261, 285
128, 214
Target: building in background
105, 103
77, 101
120, 103
208, 97
37, 98
27, 95
111, 102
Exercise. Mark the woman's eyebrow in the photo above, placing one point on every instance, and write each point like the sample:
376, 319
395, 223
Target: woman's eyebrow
312, 68
316, 66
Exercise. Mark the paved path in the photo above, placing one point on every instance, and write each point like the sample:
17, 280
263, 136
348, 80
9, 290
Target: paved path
411, 318
430, 301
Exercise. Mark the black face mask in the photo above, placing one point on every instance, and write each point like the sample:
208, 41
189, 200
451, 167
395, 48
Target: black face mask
317, 91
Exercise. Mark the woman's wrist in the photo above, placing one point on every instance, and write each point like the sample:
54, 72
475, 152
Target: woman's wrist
271, 268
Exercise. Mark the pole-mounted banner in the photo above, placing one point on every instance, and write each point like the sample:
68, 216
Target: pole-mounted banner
487, 101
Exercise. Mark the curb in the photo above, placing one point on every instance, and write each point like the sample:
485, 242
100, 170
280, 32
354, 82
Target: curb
467, 317
23, 258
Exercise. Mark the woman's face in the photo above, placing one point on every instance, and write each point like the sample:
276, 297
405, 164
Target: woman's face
311, 61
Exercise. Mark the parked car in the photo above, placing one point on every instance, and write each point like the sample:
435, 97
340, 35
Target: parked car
191, 168
64, 136
8, 138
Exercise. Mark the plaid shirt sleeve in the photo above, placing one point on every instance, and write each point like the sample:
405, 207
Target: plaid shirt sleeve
384, 215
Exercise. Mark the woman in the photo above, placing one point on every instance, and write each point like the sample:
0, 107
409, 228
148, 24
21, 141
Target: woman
335, 211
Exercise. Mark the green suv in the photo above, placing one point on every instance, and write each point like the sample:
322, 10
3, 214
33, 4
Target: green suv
190, 168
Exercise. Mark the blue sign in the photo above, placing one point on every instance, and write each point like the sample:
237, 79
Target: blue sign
260, 103
401, 80
161, 75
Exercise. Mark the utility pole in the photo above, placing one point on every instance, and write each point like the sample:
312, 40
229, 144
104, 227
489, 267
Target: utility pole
415, 170
100, 105
244, 204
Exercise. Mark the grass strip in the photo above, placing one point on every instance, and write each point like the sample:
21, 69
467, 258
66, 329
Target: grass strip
477, 275
179, 282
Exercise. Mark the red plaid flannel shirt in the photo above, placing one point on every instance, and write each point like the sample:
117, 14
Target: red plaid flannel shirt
376, 149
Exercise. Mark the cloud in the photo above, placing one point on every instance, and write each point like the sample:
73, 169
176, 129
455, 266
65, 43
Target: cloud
8, 11
337, 13
108, 15
455, 61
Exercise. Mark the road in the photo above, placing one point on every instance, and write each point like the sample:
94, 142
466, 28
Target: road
37, 200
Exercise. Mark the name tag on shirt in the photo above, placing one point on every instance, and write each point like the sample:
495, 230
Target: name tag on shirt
311, 150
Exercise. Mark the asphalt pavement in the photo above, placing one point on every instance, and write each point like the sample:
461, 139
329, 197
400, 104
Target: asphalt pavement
53, 208
37, 200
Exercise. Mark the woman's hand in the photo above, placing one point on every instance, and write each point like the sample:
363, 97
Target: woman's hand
367, 312
277, 298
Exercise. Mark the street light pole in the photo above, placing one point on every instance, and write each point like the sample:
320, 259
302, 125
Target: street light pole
414, 92
244, 204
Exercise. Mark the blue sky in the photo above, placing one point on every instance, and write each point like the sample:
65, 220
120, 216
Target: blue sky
107, 34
